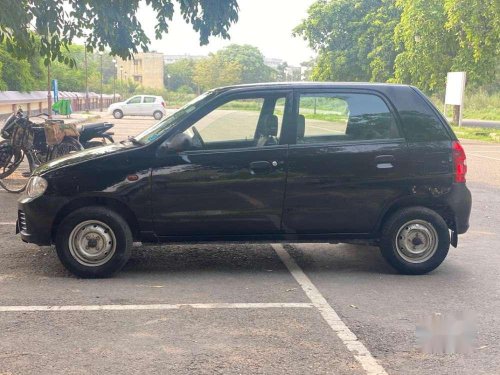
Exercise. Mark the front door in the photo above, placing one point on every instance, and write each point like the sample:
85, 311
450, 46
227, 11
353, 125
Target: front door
349, 163
133, 106
231, 179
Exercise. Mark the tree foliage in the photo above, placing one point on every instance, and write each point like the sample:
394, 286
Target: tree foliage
234, 64
410, 41
214, 72
102, 24
180, 74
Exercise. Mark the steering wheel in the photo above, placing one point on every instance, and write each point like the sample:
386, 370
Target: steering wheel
198, 137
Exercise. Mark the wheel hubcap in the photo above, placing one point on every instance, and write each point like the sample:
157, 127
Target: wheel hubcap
92, 243
416, 241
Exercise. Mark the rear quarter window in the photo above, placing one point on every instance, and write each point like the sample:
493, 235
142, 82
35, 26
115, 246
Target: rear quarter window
419, 120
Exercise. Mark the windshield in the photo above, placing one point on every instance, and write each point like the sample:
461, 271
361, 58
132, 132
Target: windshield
156, 131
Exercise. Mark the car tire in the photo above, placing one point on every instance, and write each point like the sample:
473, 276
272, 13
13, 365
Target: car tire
415, 240
158, 115
117, 114
93, 242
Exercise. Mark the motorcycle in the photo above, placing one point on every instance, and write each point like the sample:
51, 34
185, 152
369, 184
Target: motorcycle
26, 139
90, 132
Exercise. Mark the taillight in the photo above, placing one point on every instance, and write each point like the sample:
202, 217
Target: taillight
459, 161
163, 104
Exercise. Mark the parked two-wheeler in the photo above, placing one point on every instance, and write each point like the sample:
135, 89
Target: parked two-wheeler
26, 139
96, 134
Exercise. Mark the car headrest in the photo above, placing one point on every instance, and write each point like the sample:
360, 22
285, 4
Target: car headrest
301, 126
272, 125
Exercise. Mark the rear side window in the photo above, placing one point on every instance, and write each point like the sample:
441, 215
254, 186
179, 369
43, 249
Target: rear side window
149, 99
325, 118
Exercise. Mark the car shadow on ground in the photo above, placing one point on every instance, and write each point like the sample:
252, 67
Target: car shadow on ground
234, 258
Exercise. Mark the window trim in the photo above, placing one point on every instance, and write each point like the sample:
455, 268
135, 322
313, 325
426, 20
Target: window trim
322, 91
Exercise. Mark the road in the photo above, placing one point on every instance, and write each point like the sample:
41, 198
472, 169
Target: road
481, 123
199, 309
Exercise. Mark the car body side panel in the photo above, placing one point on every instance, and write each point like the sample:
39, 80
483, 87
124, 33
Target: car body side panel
216, 193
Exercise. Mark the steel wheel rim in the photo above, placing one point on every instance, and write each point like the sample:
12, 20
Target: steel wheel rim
92, 243
416, 241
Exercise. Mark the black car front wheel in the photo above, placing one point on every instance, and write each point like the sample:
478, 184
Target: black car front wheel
93, 242
415, 240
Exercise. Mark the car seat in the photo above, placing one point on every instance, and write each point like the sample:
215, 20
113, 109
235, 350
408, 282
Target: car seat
269, 133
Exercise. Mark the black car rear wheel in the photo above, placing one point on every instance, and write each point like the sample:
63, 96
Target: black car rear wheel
415, 240
93, 242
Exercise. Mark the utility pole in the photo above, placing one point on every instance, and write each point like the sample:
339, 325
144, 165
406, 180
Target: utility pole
87, 107
49, 94
100, 54
115, 72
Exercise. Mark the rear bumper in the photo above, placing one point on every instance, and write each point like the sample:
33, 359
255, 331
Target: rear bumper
460, 201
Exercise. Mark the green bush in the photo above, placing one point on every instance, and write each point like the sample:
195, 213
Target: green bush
478, 105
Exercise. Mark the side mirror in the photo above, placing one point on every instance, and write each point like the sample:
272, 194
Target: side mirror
178, 143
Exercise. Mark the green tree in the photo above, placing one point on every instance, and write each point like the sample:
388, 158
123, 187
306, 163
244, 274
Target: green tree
251, 61
344, 33
213, 72
179, 73
428, 47
234, 64
15, 74
102, 24
476, 26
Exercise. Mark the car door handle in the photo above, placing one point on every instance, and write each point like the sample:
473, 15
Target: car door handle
260, 166
385, 161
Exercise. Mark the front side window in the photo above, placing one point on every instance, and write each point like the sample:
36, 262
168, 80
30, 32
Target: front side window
134, 100
240, 123
325, 118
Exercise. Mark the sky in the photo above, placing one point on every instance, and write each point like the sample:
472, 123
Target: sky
266, 24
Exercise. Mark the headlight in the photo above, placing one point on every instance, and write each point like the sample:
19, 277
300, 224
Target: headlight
36, 186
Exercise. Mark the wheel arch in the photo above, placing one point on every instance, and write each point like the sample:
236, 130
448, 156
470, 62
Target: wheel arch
113, 204
441, 208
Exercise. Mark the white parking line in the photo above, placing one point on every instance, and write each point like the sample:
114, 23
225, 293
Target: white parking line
7, 223
157, 307
356, 347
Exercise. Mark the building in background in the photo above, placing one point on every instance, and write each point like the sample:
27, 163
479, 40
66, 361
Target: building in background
146, 69
272, 62
170, 59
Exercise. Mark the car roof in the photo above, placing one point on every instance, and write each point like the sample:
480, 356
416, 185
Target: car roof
316, 85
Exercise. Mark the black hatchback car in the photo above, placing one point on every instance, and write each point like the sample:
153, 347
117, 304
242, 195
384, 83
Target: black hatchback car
373, 163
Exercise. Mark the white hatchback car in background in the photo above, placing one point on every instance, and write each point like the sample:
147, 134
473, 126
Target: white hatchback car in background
139, 105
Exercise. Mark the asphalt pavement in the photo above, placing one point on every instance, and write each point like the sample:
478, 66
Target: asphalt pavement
251, 308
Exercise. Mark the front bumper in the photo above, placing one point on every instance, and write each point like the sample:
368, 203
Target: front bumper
36, 218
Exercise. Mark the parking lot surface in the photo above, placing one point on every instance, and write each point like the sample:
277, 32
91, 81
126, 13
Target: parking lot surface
251, 308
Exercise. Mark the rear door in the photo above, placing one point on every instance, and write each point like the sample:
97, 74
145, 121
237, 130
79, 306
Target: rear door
349, 161
148, 105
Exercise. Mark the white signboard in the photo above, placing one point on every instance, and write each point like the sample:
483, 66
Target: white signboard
455, 89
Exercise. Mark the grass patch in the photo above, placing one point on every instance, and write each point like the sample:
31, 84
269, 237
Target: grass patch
478, 105
480, 134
